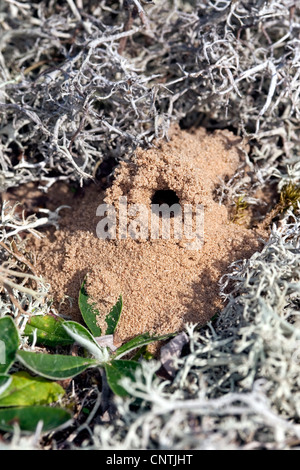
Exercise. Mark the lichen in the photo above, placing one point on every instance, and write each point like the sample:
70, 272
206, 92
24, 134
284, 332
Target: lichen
71, 97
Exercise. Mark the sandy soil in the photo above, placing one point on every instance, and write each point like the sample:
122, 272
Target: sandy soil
163, 284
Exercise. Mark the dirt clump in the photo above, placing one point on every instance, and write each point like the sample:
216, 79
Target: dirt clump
163, 284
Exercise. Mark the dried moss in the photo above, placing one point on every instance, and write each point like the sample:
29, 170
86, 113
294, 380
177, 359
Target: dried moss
239, 211
289, 197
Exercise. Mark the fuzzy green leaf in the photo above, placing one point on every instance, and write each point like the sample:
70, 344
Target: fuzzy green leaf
83, 337
55, 366
116, 370
88, 311
138, 342
49, 331
25, 390
9, 343
27, 418
113, 317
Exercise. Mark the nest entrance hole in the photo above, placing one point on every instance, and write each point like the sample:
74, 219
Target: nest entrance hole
168, 197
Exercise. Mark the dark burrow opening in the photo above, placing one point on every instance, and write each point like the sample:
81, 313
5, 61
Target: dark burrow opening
168, 197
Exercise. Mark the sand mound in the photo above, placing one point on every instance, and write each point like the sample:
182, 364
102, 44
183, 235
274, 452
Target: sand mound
163, 283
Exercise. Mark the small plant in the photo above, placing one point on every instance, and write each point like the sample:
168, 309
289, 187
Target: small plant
24, 398
240, 210
289, 197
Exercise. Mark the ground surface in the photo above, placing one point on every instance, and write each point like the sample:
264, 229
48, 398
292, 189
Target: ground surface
84, 84
164, 284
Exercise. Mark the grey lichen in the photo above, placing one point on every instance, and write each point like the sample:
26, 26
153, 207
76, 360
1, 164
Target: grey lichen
83, 81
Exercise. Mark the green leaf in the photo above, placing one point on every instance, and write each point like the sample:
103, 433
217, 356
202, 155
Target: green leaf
28, 418
83, 337
138, 342
49, 331
9, 343
5, 381
55, 366
25, 390
116, 370
113, 317
88, 311
142, 353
